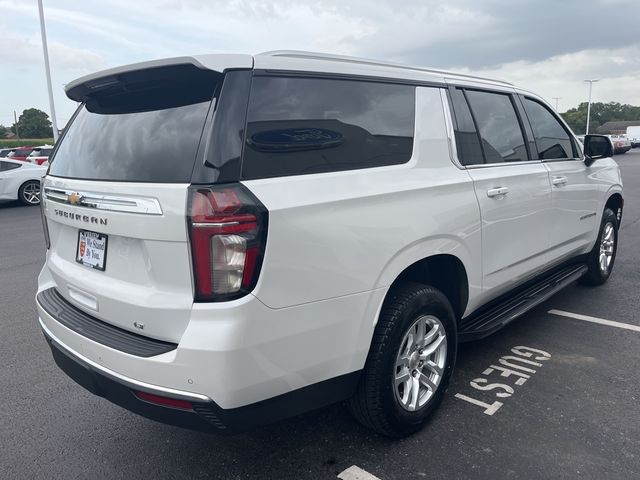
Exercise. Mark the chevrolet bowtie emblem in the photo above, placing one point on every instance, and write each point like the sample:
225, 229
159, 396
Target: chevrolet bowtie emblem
74, 198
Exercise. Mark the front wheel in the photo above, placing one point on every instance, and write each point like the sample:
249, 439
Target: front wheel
603, 255
410, 362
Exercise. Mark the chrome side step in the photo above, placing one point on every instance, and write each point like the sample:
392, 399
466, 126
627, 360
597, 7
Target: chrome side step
487, 321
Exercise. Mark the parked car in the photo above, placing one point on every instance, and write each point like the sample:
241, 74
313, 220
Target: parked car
4, 152
39, 155
20, 181
20, 153
633, 134
621, 144
347, 223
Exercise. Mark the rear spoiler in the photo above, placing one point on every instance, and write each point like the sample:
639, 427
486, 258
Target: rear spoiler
82, 88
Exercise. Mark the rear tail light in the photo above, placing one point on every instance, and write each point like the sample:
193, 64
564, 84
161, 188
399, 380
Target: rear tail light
228, 231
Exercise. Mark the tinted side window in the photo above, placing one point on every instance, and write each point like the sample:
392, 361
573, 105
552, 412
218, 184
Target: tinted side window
467, 140
502, 139
308, 125
552, 140
4, 166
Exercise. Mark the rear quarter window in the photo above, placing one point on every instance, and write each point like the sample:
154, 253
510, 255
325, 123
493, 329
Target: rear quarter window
299, 126
5, 166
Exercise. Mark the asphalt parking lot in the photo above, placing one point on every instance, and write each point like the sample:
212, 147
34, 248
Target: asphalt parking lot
575, 415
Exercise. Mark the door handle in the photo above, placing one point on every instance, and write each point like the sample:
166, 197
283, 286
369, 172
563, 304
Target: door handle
496, 192
559, 181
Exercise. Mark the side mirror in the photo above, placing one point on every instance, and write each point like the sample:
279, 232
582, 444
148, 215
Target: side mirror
595, 147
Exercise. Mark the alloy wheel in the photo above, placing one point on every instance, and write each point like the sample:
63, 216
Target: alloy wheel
420, 363
31, 193
607, 245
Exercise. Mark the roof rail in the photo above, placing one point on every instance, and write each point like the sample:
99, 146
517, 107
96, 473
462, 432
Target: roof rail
365, 61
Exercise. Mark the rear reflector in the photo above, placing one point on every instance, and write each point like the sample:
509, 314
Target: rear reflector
164, 401
227, 229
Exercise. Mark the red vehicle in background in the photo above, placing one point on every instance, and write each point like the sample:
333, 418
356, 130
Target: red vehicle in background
39, 155
21, 153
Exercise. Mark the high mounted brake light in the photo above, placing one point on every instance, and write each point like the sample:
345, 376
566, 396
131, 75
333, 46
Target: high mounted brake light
228, 230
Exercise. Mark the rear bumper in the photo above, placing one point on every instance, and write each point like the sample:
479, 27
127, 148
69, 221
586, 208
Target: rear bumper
205, 414
247, 363
121, 391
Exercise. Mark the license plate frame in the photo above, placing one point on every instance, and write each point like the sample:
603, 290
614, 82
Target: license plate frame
99, 263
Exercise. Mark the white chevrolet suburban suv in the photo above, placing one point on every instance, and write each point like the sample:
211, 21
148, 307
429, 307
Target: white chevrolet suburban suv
236, 239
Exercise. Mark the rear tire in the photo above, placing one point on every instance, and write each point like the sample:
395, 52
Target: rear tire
29, 193
603, 255
402, 382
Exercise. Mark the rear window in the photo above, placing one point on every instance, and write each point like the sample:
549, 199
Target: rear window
144, 127
308, 125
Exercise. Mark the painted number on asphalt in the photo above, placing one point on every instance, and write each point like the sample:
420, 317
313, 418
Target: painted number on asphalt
518, 368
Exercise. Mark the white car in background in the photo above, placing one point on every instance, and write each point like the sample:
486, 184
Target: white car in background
621, 144
633, 134
20, 181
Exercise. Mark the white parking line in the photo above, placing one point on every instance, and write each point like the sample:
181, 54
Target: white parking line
601, 321
356, 473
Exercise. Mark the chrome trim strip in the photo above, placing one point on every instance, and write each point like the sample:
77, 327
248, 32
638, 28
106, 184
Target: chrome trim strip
129, 382
112, 203
504, 164
223, 224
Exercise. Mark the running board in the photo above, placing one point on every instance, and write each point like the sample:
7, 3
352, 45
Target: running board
485, 322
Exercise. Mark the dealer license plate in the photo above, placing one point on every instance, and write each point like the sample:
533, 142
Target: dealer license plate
92, 249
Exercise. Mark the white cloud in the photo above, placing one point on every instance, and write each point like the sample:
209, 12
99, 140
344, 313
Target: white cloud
519, 41
618, 71
20, 50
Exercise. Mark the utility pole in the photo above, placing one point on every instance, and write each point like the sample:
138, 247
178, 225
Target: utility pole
47, 70
556, 99
15, 120
590, 82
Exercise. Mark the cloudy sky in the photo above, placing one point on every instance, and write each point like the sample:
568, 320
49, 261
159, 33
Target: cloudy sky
547, 46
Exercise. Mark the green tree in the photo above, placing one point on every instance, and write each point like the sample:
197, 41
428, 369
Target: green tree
34, 123
601, 113
577, 118
3, 130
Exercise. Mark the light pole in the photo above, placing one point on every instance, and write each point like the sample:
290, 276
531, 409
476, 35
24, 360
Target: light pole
591, 82
556, 99
45, 51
